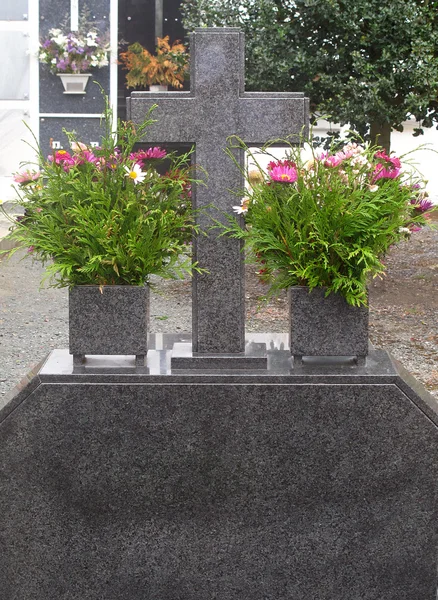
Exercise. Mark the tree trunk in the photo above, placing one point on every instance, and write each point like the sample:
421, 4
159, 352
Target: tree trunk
381, 135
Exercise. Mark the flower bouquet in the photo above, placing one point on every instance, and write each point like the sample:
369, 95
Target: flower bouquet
327, 219
75, 51
106, 216
104, 220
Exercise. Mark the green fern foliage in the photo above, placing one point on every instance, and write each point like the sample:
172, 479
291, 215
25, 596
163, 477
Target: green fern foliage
325, 219
107, 216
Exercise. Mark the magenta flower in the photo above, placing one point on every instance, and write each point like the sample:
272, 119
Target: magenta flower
151, 153
86, 156
63, 158
112, 162
422, 205
283, 174
281, 163
333, 161
387, 171
26, 177
392, 160
388, 167
60, 156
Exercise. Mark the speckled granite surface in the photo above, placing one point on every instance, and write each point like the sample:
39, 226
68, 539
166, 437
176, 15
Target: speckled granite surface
109, 320
321, 325
317, 482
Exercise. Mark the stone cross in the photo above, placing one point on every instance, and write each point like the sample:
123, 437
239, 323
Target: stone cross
216, 107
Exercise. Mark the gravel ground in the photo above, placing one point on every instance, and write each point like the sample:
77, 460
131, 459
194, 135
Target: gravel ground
403, 312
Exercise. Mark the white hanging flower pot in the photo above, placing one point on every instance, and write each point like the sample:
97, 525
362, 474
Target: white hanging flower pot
158, 88
74, 83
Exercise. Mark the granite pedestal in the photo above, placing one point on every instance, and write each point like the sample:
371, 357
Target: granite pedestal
313, 482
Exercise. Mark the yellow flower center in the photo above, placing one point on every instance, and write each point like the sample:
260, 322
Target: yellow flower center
285, 176
133, 175
62, 152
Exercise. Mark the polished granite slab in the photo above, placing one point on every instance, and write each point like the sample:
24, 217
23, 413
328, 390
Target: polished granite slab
317, 481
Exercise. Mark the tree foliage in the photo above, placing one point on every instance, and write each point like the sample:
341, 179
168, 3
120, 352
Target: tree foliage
368, 63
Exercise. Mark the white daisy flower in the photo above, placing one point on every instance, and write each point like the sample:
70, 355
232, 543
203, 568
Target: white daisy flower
243, 208
61, 40
135, 173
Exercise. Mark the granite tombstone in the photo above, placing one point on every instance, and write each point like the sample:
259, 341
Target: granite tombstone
316, 481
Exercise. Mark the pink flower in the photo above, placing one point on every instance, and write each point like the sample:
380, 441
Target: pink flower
151, 153
62, 157
85, 156
351, 149
283, 174
385, 172
281, 163
393, 160
422, 205
333, 161
388, 167
78, 146
26, 177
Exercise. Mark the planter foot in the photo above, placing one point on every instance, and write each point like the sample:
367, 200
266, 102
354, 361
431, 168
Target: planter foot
140, 360
312, 360
78, 360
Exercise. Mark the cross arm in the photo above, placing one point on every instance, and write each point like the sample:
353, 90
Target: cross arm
265, 116
174, 116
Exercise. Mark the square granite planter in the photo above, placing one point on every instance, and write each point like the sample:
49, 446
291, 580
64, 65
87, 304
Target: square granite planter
109, 320
326, 326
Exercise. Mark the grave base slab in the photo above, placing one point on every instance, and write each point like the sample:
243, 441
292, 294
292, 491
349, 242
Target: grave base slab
254, 358
318, 481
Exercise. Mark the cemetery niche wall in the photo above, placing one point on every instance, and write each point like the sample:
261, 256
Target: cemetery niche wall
206, 480
74, 112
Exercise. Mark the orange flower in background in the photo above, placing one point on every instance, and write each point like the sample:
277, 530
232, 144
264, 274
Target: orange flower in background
168, 66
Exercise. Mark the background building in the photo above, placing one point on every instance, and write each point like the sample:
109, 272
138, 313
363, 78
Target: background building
32, 99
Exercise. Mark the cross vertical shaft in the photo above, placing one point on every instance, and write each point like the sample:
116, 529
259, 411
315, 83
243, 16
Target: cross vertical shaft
215, 108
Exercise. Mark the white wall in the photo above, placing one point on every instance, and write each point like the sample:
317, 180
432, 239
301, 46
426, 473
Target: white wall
426, 160
18, 90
